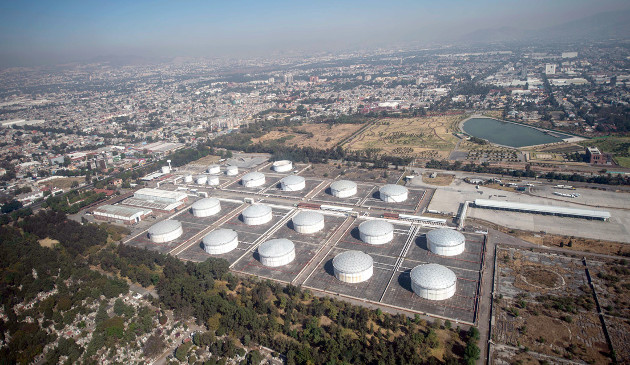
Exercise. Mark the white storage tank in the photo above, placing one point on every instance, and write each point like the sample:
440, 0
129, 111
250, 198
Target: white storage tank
220, 241
214, 169
343, 188
231, 170
276, 252
292, 183
282, 166
433, 281
446, 242
376, 232
253, 179
166, 169
206, 207
257, 214
201, 180
353, 266
165, 231
392, 193
213, 180
188, 179
308, 221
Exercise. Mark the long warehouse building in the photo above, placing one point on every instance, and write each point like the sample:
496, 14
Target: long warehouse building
120, 214
158, 200
543, 209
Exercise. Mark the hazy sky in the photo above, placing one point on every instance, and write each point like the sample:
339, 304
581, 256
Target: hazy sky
33, 32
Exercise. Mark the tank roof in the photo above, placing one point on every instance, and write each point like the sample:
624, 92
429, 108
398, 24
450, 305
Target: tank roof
343, 185
433, 276
163, 227
219, 237
206, 203
393, 189
254, 175
446, 237
352, 262
307, 218
256, 210
376, 227
276, 247
292, 180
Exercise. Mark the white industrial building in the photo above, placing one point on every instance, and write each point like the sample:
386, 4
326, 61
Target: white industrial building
343, 188
231, 170
257, 214
253, 179
446, 242
201, 179
292, 183
165, 231
206, 207
392, 193
433, 281
157, 200
214, 169
220, 241
376, 232
276, 252
308, 221
166, 170
282, 166
543, 209
353, 266
120, 213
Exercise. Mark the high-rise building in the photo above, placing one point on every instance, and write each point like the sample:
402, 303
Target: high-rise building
288, 79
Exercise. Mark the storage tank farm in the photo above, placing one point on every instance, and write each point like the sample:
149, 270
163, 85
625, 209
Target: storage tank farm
353, 266
308, 222
214, 169
433, 281
213, 180
231, 170
253, 179
282, 166
276, 252
292, 183
376, 232
257, 214
220, 241
165, 231
343, 188
446, 242
392, 193
206, 207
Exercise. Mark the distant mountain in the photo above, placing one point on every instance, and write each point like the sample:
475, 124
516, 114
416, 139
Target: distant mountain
596, 27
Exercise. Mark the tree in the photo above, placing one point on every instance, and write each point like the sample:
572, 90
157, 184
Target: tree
471, 353
153, 346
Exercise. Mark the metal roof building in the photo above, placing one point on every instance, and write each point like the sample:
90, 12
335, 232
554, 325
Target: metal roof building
433, 281
220, 241
282, 166
257, 214
543, 209
253, 179
376, 232
292, 183
308, 221
446, 242
276, 252
343, 188
392, 193
157, 195
353, 266
165, 231
120, 213
206, 207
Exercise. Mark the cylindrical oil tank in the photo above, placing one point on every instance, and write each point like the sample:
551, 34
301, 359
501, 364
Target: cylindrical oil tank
213, 180
253, 179
231, 170
353, 266
376, 232
343, 188
214, 169
392, 193
201, 179
220, 241
292, 183
433, 281
165, 231
206, 207
188, 178
308, 221
257, 214
446, 242
282, 166
276, 252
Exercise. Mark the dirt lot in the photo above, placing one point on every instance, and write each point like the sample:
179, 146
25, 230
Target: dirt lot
319, 135
425, 137
64, 183
48, 242
544, 306
208, 160
439, 179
